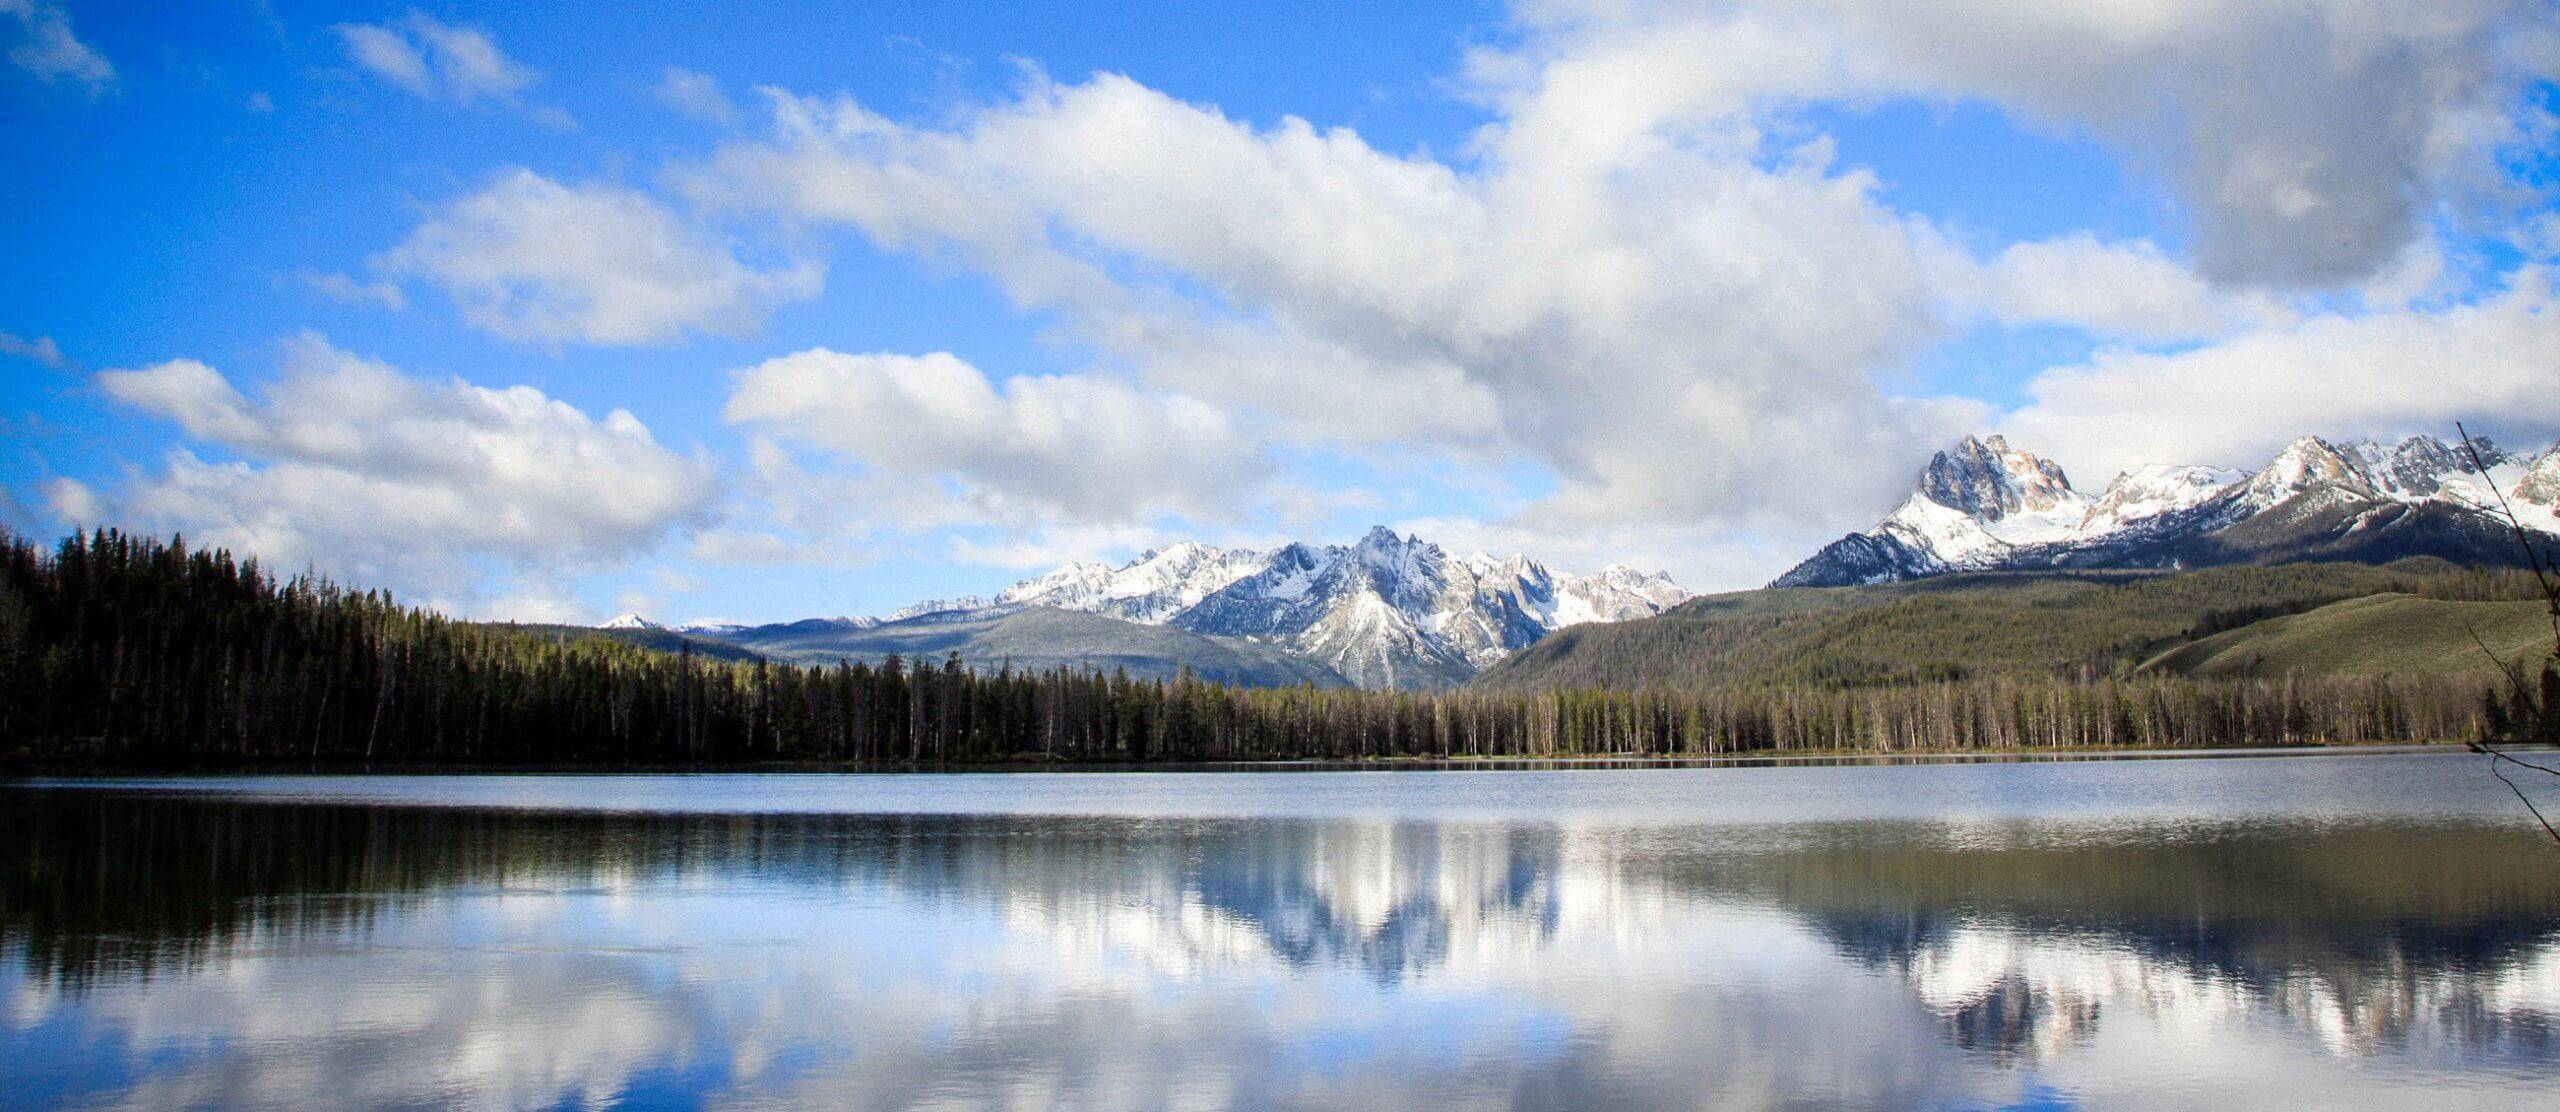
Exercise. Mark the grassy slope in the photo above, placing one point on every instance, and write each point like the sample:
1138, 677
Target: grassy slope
1950, 627
2366, 636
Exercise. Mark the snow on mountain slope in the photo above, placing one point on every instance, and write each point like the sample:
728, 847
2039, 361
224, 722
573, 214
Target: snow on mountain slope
1976, 504
2307, 464
1395, 611
1983, 505
2531, 486
2419, 465
629, 621
1615, 593
2152, 490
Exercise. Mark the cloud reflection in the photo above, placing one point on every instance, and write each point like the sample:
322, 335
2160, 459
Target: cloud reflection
222, 954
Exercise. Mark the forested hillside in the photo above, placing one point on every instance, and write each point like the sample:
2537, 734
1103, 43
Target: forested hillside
1976, 626
121, 650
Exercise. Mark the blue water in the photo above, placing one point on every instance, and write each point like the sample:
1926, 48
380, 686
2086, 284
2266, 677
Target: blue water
2341, 931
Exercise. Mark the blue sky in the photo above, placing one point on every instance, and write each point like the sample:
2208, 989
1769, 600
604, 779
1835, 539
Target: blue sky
1691, 287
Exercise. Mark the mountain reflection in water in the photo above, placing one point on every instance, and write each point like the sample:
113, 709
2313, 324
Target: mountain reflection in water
175, 949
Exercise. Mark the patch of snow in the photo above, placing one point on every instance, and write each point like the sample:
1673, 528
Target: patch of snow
2151, 490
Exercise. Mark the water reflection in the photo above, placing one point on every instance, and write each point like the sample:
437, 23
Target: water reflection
169, 950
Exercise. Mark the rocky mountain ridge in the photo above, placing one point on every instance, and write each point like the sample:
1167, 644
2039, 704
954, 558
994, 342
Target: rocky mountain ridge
1983, 505
1385, 611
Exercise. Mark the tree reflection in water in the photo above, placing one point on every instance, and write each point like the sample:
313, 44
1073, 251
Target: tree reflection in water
508, 957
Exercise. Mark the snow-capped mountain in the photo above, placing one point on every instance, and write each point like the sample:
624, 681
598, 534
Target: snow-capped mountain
629, 621
1387, 611
1983, 505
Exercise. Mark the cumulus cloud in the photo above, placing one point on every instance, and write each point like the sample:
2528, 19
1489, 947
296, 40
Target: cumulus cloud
47, 49
2310, 140
1673, 327
439, 61
42, 349
531, 259
388, 479
2382, 375
697, 95
1074, 449
1637, 278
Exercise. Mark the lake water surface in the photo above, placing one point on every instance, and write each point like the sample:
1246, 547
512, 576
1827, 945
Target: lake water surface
2368, 931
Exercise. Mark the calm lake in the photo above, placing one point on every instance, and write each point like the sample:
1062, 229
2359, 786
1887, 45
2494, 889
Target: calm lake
2365, 930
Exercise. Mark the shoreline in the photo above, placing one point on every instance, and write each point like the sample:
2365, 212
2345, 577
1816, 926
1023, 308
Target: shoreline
37, 771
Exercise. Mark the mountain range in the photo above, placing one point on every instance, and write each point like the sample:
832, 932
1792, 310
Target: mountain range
1986, 506
1384, 612
1391, 611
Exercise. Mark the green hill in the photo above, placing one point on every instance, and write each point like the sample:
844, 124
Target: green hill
2375, 635
1956, 627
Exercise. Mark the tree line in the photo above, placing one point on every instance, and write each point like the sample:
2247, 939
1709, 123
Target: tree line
117, 649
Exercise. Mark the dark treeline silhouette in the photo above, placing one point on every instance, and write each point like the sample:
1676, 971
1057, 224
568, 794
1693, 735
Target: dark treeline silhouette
116, 649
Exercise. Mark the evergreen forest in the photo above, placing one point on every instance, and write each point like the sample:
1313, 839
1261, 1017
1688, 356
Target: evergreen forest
126, 651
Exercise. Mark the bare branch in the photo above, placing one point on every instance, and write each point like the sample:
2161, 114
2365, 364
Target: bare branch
2527, 703
2495, 757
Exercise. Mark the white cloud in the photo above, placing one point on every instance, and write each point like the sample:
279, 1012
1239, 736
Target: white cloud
2310, 140
697, 95
196, 396
759, 548
47, 48
2382, 375
532, 259
1061, 449
42, 349
1632, 279
340, 287
440, 61
2131, 290
437, 489
1676, 330
72, 500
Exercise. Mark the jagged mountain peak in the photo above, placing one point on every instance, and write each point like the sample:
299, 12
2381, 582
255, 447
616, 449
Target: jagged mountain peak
2336, 500
2420, 464
630, 621
2306, 464
1986, 479
1387, 609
